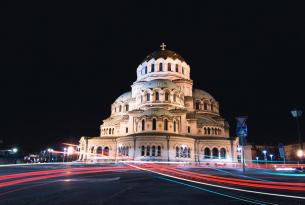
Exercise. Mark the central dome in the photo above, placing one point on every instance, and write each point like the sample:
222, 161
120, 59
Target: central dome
163, 53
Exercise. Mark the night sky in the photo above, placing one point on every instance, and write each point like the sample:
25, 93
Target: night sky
62, 65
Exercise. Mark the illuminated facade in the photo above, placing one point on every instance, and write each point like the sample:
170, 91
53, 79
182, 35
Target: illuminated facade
162, 118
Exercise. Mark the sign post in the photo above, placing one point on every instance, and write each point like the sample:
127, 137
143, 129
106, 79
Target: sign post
242, 132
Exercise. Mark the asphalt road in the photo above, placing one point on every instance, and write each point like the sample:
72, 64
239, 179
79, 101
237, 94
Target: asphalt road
122, 184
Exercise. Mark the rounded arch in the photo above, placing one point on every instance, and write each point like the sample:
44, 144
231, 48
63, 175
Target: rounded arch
223, 153
106, 151
165, 124
99, 150
143, 125
207, 153
215, 153
154, 124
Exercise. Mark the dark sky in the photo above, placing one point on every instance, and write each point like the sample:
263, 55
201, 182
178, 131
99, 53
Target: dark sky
62, 65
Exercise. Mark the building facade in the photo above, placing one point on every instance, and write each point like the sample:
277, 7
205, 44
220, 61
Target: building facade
162, 118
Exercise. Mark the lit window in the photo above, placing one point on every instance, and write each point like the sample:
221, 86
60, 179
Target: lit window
152, 68
160, 67
177, 68
169, 67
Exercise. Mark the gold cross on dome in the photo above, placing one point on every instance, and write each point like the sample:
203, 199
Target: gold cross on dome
162, 46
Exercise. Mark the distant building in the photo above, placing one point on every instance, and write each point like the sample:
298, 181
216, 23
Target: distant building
291, 151
162, 118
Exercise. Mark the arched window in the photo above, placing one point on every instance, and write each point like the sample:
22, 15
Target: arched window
188, 129
174, 97
169, 67
181, 151
166, 96
175, 126
153, 150
160, 67
113, 131
142, 151
209, 131
222, 153
177, 68
127, 151
152, 68
182, 70
109, 130
197, 105
205, 131
177, 151
185, 152
106, 151
147, 97
154, 124
143, 125
148, 151
213, 131
205, 106
219, 131
99, 150
145, 69
165, 124
188, 152
207, 153
159, 151
126, 107
126, 130
120, 108
157, 96
215, 153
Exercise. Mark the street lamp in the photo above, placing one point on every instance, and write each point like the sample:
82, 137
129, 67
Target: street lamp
297, 114
300, 153
271, 155
14, 150
65, 151
50, 150
265, 155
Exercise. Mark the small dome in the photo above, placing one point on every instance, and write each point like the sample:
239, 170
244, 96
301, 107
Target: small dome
199, 94
164, 53
159, 83
124, 97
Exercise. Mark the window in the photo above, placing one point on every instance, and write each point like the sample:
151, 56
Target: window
215, 153
126, 107
209, 131
182, 70
127, 151
152, 68
153, 150
166, 96
207, 153
99, 150
106, 151
181, 151
126, 129
143, 125
205, 131
147, 97
175, 126
148, 151
169, 67
110, 131
197, 105
165, 124
120, 108
188, 129
188, 152
145, 69
177, 69
157, 96
113, 131
160, 67
205, 105
222, 153
154, 124
174, 97
159, 151
177, 151
142, 151
184, 152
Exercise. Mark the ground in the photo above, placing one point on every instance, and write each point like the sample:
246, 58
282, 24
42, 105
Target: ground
151, 184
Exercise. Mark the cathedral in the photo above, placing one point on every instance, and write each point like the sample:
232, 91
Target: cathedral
162, 118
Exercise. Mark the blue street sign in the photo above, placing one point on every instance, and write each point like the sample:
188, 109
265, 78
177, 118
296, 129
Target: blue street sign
241, 127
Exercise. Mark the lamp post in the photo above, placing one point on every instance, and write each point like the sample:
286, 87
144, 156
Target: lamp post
65, 151
265, 156
297, 114
271, 155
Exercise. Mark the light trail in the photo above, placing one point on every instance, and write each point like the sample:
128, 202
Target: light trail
219, 186
245, 199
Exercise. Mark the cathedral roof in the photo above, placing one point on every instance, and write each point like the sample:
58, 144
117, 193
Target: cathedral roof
197, 93
164, 53
124, 97
159, 83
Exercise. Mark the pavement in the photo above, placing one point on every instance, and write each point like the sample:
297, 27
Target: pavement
143, 184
